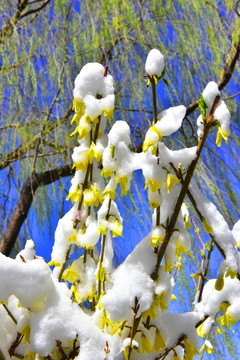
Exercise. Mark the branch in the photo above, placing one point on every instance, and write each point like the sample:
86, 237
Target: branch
228, 68
24, 203
36, 10
25, 147
184, 189
7, 30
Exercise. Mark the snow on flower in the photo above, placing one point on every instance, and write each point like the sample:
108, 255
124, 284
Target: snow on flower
154, 63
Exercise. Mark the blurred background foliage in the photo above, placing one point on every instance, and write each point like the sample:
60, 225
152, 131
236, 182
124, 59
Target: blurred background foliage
43, 46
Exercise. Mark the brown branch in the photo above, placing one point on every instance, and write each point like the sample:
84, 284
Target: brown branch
24, 203
170, 227
179, 341
35, 10
7, 30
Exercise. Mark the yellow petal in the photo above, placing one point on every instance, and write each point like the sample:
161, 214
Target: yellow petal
159, 342
171, 181
207, 227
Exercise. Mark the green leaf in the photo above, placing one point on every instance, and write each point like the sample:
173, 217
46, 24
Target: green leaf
203, 106
165, 82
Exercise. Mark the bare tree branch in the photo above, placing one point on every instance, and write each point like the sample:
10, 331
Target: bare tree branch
24, 203
7, 30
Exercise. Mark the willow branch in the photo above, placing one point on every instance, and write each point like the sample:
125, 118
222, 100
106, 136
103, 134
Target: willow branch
226, 75
25, 147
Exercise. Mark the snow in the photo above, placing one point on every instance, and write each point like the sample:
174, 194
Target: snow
154, 63
212, 298
170, 120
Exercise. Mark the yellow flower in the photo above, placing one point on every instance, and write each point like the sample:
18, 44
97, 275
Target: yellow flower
209, 350
91, 196
168, 265
221, 134
92, 153
226, 319
159, 342
75, 293
76, 117
146, 345
218, 331
126, 352
83, 130
29, 355
110, 192
70, 274
101, 229
207, 227
187, 222
82, 164
147, 144
200, 330
108, 114
153, 184
106, 173
54, 263
190, 350
76, 195
78, 106
124, 183
115, 226
155, 241
154, 204
156, 130
171, 181
26, 333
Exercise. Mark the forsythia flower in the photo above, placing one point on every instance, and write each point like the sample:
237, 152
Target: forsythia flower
70, 274
108, 114
30, 356
221, 134
153, 136
226, 319
207, 227
146, 345
153, 184
159, 342
190, 350
157, 235
124, 183
92, 153
76, 195
75, 293
92, 196
187, 222
171, 181
78, 106
26, 333
208, 346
